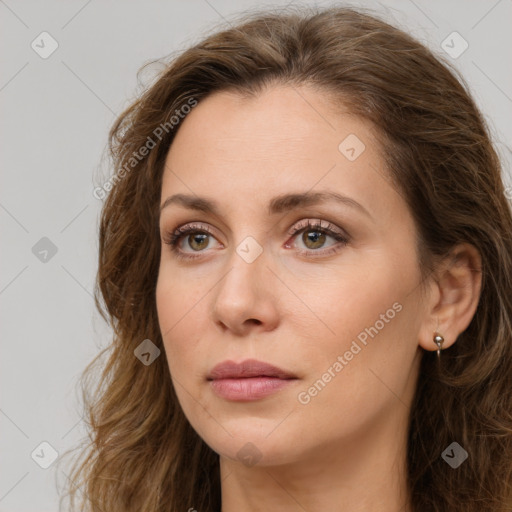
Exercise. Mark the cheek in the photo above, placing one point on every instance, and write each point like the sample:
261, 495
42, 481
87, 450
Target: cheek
181, 314
342, 303
179, 310
367, 314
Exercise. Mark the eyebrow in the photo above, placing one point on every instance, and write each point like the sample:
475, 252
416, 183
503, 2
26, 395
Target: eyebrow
276, 205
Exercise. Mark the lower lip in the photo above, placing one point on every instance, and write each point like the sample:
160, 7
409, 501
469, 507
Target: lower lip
248, 389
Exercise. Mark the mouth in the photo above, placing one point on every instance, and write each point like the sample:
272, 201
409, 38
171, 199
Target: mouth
249, 368
249, 380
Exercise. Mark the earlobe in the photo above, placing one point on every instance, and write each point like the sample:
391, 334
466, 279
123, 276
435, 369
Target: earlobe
456, 289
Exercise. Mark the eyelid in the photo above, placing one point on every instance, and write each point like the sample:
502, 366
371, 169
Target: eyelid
314, 223
191, 227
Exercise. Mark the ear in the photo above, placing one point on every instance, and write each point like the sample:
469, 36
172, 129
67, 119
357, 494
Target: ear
454, 294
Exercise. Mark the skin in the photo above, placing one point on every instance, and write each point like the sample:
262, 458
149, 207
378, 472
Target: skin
345, 449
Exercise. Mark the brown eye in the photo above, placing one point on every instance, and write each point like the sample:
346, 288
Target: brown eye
197, 241
313, 239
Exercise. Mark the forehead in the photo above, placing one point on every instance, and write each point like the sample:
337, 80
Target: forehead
282, 139
291, 118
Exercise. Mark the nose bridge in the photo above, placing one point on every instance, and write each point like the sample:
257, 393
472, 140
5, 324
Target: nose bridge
247, 266
243, 293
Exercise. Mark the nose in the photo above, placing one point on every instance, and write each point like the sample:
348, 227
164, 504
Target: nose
244, 300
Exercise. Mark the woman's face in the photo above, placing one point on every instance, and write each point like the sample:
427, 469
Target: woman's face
338, 310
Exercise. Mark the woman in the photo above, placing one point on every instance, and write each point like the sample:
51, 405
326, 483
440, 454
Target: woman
306, 260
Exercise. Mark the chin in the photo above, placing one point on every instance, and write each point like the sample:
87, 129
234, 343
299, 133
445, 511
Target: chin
252, 446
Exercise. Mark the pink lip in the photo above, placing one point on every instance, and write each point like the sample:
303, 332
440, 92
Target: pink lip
248, 380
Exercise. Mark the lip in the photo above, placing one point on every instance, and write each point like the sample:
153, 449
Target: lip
249, 380
246, 369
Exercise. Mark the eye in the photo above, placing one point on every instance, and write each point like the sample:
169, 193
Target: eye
314, 236
197, 239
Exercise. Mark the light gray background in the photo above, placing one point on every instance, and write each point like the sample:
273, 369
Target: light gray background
56, 113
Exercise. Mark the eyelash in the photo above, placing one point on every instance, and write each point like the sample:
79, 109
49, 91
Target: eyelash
172, 238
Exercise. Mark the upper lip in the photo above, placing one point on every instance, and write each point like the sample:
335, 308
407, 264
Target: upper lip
246, 369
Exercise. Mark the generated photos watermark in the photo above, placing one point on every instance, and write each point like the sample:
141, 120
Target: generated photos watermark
137, 156
304, 397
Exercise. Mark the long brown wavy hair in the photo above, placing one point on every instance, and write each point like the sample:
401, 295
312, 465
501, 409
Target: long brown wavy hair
142, 454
